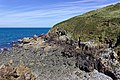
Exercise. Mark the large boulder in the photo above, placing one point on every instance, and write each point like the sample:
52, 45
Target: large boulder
63, 38
94, 75
8, 72
35, 37
117, 72
26, 40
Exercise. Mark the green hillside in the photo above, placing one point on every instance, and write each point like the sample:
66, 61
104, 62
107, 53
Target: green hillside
94, 25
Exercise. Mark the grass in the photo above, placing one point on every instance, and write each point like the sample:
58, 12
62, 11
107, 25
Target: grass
94, 25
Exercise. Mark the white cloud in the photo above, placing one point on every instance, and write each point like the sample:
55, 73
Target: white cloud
48, 16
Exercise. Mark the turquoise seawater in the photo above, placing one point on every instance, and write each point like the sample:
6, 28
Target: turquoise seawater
10, 35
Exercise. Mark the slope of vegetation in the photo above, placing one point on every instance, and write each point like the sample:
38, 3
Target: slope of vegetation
95, 25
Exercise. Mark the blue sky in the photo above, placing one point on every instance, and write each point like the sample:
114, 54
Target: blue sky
44, 13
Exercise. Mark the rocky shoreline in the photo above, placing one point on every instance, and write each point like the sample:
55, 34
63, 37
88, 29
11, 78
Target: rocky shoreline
55, 56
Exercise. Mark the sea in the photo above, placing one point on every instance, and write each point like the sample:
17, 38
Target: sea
8, 36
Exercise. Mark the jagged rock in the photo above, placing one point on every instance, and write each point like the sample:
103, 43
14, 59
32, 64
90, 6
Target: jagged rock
94, 75
59, 62
118, 55
60, 31
90, 44
117, 72
20, 45
8, 72
35, 37
26, 40
24, 71
85, 62
46, 49
108, 56
20, 40
63, 38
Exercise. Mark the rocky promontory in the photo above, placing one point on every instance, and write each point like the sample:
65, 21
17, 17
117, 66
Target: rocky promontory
55, 56
68, 53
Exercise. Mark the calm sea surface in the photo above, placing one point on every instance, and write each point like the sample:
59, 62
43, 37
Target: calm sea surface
10, 35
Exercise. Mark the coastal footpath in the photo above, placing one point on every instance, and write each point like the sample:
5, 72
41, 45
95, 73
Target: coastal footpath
85, 47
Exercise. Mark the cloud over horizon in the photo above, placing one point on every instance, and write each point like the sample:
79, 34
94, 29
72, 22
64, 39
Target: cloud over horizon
44, 13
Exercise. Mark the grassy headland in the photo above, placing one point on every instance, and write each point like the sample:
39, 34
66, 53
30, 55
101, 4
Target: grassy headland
97, 25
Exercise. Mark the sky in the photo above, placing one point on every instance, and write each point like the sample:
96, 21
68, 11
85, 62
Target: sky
44, 13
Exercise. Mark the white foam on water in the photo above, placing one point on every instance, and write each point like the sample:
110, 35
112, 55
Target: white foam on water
8, 43
1, 49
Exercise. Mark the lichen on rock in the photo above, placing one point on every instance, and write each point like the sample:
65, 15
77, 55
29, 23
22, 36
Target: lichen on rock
8, 72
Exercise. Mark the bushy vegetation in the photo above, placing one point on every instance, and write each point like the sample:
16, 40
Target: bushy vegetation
94, 25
